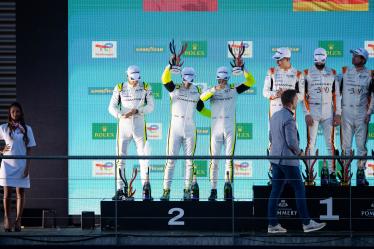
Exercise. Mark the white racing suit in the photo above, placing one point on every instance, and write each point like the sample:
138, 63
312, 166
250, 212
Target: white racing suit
278, 78
182, 129
322, 101
124, 99
223, 124
357, 90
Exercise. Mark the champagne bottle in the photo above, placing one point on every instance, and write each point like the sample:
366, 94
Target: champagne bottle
147, 188
324, 174
227, 192
194, 188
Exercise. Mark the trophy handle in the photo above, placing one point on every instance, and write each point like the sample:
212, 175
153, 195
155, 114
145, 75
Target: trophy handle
134, 174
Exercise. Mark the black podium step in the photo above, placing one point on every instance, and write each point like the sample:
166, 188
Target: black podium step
343, 208
177, 215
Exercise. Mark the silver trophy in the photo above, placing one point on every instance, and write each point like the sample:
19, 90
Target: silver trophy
175, 59
237, 64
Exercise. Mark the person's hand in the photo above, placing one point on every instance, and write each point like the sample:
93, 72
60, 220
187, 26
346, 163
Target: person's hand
367, 118
279, 92
6, 149
302, 153
337, 120
26, 171
219, 87
130, 113
308, 120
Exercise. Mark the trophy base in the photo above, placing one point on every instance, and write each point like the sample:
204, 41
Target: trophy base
176, 69
128, 198
236, 71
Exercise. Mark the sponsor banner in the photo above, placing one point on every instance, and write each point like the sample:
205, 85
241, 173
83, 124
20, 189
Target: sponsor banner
152, 167
104, 49
243, 168
285, 210
235, 45
101, 168
369, 171
196, 48
244, 130
333, 48
100, 91
294, 49
154, 131
104, 130
203, 130
150, 49
369, 46
330, 5
368, 212
156, 90
201, 167
180, 6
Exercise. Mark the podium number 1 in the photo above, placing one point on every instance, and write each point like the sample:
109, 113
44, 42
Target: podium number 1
175, 220
329, 215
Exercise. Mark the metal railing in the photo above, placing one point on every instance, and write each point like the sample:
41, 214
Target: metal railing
236, 235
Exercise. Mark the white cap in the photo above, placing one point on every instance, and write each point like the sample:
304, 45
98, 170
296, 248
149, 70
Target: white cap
282, 53
223, 73
188, 74
360, 51
320, 55
133, 72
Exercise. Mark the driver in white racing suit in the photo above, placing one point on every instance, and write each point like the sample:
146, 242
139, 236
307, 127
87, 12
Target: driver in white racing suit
129, 103
223, 123
322, 106
356, 87
185, 100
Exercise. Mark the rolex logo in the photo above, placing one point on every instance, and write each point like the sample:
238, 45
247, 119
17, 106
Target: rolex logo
104, 130
194, 46
331, 46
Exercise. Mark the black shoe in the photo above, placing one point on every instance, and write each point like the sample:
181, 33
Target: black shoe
165, 195
213, 195
186, 195
332, 179
361, 178
119, 195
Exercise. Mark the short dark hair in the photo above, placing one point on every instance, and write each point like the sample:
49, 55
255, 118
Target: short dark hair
288, 96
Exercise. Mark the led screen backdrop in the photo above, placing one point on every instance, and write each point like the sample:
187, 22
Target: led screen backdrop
105, 37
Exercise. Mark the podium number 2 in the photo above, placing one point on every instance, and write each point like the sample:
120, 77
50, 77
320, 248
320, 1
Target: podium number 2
175, 220
329, 215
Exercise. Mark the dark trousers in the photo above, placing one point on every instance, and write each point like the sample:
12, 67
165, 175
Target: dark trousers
281, 175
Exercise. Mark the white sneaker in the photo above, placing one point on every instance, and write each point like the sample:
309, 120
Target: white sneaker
276, 229
313, 226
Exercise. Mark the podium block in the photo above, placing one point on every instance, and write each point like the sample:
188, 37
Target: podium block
177, 215
327, 204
